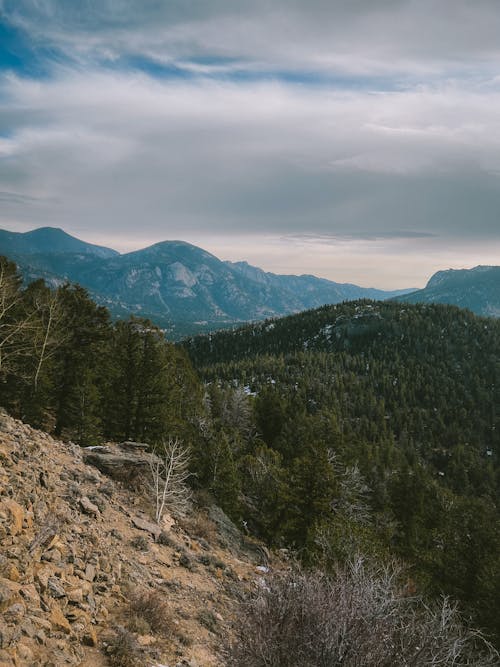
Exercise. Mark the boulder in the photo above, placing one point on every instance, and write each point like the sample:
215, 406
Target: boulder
122, 463
88, 507
16, 516
151, 528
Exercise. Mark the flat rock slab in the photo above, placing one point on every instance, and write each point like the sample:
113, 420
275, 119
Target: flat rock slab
117, 463
151, 528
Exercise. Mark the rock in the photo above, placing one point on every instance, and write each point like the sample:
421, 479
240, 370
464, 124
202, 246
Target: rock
118, 464
5, 634
58, 620
27, 628
6, 659
9, 593
25, 653
54, 556
14, 613
12, 573
147, 526
89, 572
30, 594
88, 507
133, 446
89, 638
5, 453
75, 595
16, 515
230, 534
55, 588
42, 578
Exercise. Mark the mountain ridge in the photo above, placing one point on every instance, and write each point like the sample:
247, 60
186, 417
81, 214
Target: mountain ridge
477, 289
182, 287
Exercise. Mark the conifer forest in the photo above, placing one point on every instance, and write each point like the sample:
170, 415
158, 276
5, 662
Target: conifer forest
366, 428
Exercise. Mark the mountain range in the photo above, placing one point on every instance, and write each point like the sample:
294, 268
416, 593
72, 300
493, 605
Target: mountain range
187, 290
181, 287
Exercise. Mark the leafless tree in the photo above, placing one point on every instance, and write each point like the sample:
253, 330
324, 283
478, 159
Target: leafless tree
13, 319
360, 617
47, 334
30, 330
169, 469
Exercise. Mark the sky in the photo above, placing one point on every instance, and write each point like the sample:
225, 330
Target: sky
357, 140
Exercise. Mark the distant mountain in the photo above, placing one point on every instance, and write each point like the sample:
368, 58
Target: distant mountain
178, 285
477, 289
48, 240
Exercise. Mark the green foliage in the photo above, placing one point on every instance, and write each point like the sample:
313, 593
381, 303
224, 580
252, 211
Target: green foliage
382, 435
68, 369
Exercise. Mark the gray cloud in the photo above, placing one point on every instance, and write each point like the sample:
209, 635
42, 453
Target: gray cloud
410, 165
350, 36
117, 150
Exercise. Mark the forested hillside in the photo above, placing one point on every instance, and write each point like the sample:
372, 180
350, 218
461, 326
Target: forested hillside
364, 428
377, 430
67, 368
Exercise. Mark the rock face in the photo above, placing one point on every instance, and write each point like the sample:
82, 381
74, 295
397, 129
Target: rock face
77, 545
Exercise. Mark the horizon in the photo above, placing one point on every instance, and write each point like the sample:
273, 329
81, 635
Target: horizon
353, 141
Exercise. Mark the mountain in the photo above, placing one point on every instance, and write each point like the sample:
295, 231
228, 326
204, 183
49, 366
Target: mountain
48, 241
477, 289
181, 287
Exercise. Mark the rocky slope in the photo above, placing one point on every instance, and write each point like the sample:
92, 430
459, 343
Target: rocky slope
87, 579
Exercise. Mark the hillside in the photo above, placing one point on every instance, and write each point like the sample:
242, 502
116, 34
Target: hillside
77, 551
365, 428
476, 289
181, 287
387, 413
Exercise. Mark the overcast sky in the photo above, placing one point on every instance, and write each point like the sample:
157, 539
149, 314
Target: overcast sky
358, 140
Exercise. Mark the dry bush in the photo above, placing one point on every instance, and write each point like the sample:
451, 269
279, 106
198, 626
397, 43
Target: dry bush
199, 525
150, 607
356, 618
123, 650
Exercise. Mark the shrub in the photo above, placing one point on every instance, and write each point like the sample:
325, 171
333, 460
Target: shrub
360, 617
150, 607
123, 650
140, 543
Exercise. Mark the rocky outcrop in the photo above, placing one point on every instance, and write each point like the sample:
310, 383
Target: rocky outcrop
125, 461
76, 545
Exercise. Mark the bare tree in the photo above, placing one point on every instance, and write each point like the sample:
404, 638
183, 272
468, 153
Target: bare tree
14, 320
169, 475
359, 617
30, 330
47, 334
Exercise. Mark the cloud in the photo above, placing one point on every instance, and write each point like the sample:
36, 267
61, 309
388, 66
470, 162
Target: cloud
335, 125
413, 39
165, 158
